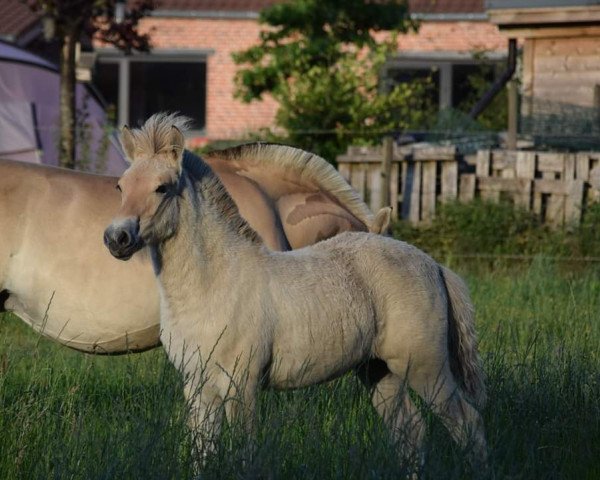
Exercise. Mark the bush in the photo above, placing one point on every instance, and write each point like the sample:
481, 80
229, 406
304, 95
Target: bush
488, 228
589, 233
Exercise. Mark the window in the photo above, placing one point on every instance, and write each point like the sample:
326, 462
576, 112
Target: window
171, 86
452, 77
138, 87
469, 81
106, 80
406, 75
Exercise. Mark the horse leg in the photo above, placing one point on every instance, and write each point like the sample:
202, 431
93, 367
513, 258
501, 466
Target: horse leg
3, 298
240, 412
391, 400
240, 409
389, 396
462, 420
205, 417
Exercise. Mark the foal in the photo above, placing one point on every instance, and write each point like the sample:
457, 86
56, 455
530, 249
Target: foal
249, 317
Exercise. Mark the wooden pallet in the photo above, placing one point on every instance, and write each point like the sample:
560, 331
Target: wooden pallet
543, 182
420, 178
555, 186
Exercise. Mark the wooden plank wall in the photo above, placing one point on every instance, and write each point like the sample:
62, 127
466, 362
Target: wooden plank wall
543, 182
555, 186
420, 178
562, 69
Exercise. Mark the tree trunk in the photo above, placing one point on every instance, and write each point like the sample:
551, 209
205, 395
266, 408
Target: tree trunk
67, 101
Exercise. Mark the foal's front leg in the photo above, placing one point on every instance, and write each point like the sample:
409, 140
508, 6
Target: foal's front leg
205, 417
240, 410
240, 407
207, 405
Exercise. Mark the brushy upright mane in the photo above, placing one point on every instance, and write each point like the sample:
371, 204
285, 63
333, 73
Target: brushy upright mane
155, 135
310, 169
219, 197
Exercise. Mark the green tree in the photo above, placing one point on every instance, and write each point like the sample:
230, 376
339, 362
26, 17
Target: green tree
321, 60
68, 21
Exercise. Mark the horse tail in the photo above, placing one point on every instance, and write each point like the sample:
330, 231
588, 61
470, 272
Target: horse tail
465, 362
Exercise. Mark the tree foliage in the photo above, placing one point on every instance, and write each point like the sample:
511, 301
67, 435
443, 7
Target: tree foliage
96, 18
495, 116
68, 21
322, 61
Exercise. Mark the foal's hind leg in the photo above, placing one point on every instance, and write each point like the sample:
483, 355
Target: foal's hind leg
391, 400
462, 420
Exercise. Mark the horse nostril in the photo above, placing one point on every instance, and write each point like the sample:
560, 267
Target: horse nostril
123, 240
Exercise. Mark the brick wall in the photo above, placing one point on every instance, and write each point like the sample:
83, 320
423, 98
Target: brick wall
226, 117
455, 37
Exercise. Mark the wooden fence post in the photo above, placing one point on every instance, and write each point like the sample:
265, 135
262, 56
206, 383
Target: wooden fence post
386, 170
449, 181
428, 190
513, 105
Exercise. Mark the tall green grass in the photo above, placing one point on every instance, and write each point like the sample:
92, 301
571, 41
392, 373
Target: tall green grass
64, 414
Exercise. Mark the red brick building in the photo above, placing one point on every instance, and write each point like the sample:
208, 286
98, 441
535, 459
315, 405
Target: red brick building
190, 68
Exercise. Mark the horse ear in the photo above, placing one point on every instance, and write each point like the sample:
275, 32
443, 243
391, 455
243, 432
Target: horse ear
177, 143
382, 221
128, 143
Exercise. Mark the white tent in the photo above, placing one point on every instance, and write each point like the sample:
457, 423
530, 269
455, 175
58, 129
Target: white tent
29, 116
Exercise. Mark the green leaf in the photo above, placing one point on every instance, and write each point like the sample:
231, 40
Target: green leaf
320, 59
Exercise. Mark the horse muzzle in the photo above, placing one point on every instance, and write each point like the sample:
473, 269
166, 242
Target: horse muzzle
123, 239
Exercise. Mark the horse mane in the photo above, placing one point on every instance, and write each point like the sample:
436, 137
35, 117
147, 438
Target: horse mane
309, 167
155, 135
213, 188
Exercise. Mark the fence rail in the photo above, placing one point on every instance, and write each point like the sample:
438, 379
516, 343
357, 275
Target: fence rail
555, 186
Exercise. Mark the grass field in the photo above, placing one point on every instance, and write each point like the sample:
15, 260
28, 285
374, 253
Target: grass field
68, 415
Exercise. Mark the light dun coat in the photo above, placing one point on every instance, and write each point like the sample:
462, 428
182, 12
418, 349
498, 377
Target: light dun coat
236, 315
57, 276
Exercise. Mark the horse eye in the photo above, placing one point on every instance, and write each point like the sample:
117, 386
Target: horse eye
118, 187
161, 188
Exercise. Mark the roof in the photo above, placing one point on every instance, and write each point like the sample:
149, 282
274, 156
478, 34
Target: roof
214, 5
446, 6
504, 4
543, 14
416, 6
17, 18
422, 9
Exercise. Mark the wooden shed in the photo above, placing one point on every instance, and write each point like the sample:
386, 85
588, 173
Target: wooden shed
561, 49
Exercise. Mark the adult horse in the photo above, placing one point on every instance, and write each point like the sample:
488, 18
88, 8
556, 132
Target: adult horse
236, 316
56, 275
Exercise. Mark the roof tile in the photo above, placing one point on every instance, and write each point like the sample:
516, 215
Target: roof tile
214, 5
416, 6
446, 6
16, 18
